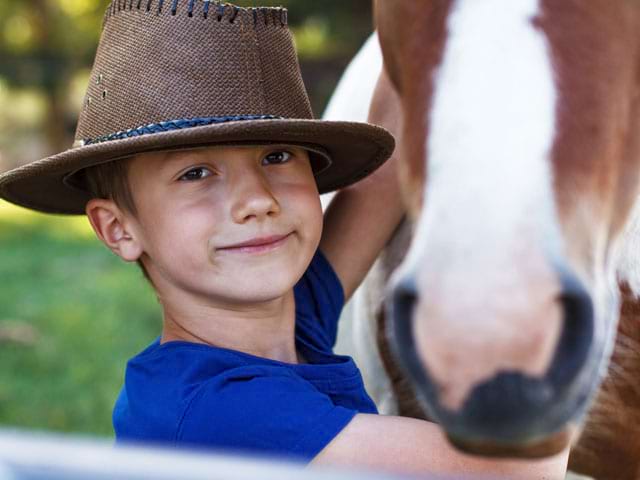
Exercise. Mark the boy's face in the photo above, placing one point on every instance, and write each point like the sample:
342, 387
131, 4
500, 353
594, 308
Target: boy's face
196, 208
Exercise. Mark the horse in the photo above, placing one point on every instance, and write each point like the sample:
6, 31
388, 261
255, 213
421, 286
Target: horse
515, 277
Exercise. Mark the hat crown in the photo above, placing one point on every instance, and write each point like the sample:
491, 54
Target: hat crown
172, 60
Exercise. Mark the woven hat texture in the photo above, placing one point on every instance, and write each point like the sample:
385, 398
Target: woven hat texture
186, 73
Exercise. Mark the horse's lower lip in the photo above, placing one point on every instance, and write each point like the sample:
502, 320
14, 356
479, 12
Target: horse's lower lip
546, 447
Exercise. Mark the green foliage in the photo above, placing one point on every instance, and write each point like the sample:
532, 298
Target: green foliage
71, 314
43, 41
325, 29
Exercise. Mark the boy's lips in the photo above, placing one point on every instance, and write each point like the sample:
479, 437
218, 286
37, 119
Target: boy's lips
258, 244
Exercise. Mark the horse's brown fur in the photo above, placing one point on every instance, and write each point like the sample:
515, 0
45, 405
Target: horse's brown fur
609, 447
412, 44
595, 52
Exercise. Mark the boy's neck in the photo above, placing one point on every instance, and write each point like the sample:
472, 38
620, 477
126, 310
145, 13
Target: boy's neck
264, 330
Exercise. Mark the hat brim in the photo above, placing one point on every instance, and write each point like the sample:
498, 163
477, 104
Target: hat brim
355, 150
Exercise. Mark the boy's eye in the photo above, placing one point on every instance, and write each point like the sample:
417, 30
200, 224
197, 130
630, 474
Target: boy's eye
196, 174
275, 158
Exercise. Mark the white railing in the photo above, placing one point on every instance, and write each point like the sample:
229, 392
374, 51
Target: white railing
40, 456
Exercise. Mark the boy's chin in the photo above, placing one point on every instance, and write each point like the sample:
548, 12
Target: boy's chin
256, 295
255, 288
265, 279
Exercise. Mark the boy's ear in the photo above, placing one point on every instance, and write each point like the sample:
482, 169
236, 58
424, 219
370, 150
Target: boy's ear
112, 228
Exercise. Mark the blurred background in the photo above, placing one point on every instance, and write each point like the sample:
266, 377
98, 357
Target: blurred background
71, 313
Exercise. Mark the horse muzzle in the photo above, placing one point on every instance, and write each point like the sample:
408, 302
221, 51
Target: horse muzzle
512, 414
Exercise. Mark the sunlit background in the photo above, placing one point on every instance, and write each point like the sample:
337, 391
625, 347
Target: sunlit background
71, 313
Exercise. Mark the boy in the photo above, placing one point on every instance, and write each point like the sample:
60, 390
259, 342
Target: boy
197, 156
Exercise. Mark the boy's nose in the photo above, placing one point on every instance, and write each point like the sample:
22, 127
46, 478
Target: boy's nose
252, 197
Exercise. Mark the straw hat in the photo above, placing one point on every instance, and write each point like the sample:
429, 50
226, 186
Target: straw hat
171, 74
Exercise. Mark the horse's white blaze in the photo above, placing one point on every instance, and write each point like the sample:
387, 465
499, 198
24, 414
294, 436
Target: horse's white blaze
489, 211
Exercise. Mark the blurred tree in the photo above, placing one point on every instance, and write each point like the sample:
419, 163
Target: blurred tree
42, 44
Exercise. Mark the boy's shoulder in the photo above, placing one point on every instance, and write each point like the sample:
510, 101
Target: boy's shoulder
196, 395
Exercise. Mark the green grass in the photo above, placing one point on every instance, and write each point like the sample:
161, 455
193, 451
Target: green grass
71, 314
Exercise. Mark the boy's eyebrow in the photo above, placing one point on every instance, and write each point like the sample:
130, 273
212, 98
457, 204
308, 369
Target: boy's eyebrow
169, 158
262, 147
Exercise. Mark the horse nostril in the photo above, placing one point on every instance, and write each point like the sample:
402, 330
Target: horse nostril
512, 406
577, 334
403, 298
400, 307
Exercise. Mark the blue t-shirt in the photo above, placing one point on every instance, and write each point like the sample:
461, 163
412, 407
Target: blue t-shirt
195, 395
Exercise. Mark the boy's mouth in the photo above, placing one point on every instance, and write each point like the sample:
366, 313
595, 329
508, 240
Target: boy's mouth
257, 245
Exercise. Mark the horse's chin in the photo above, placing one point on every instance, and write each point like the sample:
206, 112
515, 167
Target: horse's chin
541, 448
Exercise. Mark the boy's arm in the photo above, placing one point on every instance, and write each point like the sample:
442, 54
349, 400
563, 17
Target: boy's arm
361, 218
407, 445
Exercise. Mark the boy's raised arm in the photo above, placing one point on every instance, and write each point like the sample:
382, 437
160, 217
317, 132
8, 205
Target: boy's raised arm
361, 218
407, 445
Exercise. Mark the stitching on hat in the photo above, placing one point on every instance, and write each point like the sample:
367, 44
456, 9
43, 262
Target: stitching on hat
278, 15
234, 14
170, 125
